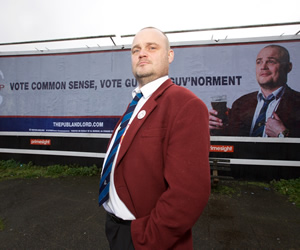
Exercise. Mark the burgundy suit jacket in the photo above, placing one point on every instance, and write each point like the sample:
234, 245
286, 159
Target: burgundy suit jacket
162, 171
242, 112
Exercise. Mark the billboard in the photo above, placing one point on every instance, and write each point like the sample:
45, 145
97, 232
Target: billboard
87, 92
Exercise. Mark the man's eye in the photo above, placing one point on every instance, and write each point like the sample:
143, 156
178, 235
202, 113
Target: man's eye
135, 51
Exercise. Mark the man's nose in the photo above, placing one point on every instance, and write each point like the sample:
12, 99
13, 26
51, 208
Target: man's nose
264, 65
142, 53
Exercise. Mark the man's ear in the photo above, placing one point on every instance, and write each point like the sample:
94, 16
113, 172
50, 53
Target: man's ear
171, 55
289, 67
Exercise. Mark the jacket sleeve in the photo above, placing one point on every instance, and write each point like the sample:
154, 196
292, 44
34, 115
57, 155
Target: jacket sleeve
187, 174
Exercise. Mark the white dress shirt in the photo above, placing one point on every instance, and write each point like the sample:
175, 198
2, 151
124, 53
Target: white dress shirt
114, 204
271, 108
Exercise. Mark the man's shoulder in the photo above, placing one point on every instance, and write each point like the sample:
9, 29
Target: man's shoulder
176, 96
292, 93
174, 91
291, 98
250, 97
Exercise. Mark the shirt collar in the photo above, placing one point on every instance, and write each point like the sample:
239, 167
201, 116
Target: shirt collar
148, 89
277, 93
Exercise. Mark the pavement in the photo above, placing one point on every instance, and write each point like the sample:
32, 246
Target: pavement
63, 213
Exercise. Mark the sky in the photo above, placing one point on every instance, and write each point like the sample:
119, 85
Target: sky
30, 20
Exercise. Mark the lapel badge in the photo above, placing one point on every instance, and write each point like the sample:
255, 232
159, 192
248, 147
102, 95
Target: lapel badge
141, 114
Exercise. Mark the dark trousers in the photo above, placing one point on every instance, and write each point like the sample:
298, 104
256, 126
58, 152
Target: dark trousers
118, 233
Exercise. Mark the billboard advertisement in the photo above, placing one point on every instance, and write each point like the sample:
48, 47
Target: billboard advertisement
87, 92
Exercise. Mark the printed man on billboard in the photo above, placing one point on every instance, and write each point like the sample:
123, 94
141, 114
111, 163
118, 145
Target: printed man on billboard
273, 110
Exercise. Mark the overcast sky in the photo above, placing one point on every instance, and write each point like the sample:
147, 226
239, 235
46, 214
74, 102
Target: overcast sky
28, 20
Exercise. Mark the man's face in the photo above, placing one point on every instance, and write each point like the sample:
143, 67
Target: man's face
150, 56
271, 70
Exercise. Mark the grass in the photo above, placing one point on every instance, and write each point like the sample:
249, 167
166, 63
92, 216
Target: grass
224, 190
290, 188
12, 169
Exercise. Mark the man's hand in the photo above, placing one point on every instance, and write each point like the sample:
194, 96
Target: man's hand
214, 121
274, 126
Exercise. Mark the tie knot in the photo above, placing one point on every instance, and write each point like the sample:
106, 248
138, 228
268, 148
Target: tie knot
136, 99
139, 95
269, 98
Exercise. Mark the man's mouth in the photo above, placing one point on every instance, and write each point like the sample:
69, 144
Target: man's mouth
141, 63
264, 74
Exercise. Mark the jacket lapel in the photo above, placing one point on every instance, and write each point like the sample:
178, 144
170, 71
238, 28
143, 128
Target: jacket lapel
285, 104
134, 127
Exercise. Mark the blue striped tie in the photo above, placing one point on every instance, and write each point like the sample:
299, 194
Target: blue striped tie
261, 119
105, 178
